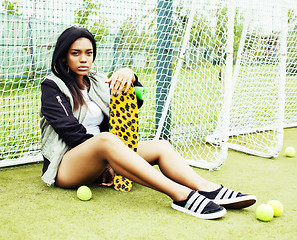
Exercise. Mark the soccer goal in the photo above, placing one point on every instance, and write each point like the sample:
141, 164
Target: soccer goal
258, 98
213, 71
291, 67
264, 77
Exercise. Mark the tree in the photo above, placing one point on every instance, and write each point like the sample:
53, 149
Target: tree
128, 38
86, 16
88, 8
292, 43
238, 27
201, 35
11, 8
220, 37
136, 34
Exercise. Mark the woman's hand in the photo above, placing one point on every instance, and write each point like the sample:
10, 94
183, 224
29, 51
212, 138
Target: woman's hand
120, 78
107, 177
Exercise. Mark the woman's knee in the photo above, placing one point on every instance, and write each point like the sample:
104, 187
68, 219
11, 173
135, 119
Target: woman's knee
162, 145
106, 137
106, 141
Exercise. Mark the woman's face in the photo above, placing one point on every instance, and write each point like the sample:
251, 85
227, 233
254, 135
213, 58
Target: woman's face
80, 57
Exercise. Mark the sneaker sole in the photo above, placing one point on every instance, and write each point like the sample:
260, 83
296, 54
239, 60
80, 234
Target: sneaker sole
215, 215
237, 203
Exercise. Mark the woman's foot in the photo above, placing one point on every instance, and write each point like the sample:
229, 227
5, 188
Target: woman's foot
199, 206
229, 198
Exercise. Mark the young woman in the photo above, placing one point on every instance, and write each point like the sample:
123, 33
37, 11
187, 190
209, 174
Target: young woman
79, 150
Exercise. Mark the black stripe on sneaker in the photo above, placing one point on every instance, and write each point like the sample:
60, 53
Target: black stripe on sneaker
196, 203
229, 198
199, 206
226, 193
221, 193
192, 200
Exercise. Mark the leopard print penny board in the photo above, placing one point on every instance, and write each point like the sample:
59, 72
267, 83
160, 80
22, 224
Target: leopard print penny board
123, 122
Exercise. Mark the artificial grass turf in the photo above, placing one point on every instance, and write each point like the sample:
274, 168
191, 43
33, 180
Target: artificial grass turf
31, 210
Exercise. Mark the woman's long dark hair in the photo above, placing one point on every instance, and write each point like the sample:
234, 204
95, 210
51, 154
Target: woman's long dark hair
59, 66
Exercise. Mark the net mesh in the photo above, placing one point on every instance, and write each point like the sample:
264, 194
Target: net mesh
143, 35
148, 37
291, 79
254, 118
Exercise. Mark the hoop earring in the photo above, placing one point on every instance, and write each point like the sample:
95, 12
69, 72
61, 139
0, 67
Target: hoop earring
56, 69
93, 74
68, 69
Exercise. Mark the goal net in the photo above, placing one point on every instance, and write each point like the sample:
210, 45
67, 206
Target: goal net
264, 78
164, 42
210, 73
256, 124
291, 67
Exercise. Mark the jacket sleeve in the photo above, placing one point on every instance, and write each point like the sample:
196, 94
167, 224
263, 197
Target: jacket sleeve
57, 110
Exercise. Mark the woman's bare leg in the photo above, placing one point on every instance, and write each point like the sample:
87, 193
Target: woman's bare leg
86, 162
172, 165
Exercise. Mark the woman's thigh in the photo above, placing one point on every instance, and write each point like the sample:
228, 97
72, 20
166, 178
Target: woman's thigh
81, 165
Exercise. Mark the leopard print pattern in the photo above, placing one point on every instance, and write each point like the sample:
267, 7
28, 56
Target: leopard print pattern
123, 122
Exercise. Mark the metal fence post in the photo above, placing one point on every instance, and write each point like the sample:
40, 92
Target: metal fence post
164, 62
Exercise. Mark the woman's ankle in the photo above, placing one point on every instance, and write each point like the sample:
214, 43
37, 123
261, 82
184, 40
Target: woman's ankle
181, 196
208, 187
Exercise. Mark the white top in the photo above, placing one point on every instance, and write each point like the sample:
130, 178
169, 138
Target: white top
94, 116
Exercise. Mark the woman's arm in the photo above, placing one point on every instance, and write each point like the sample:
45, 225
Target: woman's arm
57, 110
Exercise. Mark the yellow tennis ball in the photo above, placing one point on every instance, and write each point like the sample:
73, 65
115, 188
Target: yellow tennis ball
84, 193
277, 206
264, 212
290, 152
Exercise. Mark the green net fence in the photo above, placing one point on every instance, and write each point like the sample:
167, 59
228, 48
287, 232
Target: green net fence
177, 43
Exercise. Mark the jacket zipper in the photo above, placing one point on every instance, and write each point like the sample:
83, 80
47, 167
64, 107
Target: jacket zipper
60, 101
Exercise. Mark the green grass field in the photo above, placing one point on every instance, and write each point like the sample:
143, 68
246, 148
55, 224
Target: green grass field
31, 210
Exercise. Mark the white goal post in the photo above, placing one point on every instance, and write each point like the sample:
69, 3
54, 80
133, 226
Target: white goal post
258, 97
218, 73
